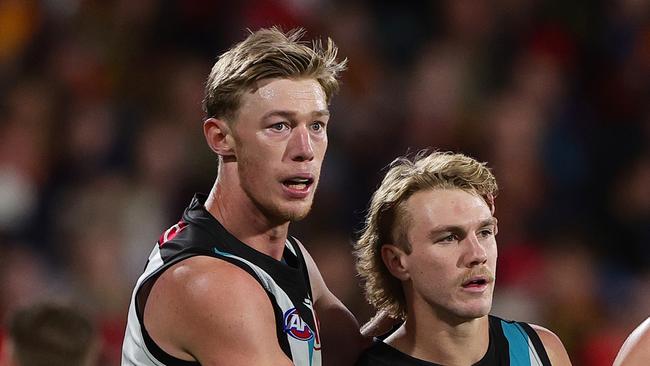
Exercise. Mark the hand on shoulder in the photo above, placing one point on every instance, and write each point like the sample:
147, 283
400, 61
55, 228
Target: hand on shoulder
381, 323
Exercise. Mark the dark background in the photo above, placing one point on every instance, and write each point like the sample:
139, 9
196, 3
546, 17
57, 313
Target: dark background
101, 144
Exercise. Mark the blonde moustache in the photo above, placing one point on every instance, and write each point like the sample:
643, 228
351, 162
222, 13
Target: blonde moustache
482, 272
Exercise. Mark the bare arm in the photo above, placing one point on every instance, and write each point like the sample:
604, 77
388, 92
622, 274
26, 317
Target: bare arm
636, 349
554, 347
211, 311
339, 330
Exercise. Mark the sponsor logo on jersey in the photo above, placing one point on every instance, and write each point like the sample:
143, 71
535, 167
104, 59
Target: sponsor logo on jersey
172, 232
296, 327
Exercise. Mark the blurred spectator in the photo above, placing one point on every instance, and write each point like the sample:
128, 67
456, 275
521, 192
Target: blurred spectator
102, 143
48, 334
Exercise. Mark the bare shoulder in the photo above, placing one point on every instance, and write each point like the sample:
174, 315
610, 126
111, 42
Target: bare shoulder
553, 345
203, 299
205, 281
636, 349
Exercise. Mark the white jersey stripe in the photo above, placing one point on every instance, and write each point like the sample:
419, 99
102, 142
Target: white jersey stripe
534, 357
133, 345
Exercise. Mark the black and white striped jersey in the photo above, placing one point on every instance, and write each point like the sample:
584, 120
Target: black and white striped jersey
286, 282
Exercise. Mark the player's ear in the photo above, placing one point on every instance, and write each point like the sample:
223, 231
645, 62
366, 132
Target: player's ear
218, 134
394, 259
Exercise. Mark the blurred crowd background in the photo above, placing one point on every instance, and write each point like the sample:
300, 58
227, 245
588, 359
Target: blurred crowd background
101, 145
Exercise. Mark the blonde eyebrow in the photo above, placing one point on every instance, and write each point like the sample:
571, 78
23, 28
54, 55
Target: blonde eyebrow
458, 229
291, 114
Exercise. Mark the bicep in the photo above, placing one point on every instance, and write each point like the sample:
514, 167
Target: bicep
216, 314
553, 345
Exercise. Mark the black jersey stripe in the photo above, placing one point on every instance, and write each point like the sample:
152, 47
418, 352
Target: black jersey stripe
537, 343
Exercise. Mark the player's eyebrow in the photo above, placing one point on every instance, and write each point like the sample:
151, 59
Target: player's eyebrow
321, 113
293, 114
487, 222
459, 229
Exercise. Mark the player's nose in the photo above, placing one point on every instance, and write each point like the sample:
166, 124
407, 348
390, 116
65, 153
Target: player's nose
301, 145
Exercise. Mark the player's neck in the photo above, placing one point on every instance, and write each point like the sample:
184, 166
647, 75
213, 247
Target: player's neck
238, 214
441, 341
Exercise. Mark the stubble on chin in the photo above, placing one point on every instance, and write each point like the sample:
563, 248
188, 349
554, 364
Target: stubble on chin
280, 213
297, 214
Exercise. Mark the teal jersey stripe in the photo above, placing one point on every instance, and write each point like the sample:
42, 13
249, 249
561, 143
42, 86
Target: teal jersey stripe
311, 351
517, 344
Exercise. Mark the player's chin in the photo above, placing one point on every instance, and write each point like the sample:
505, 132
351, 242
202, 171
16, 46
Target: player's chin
480, 310
475, 309
470, 314
296, 211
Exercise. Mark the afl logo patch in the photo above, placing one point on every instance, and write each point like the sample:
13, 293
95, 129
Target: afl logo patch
296, 327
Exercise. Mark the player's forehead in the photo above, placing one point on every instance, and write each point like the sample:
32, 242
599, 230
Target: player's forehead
447, 207
299, 95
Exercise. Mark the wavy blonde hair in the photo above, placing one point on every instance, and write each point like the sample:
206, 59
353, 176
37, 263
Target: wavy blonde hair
387, 220
264, 54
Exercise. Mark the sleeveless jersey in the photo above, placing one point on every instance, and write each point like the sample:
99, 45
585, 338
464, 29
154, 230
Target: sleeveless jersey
286, 283
511, 344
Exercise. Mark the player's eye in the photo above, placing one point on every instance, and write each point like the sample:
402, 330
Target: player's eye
318, 126
448, 239
486, 233
280, 126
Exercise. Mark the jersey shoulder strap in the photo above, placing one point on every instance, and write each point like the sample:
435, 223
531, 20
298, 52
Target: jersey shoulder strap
524, 345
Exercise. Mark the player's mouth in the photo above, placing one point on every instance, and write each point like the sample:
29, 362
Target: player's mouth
298, 186
476, 283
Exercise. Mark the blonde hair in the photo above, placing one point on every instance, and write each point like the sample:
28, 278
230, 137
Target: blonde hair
269, 53
387, 219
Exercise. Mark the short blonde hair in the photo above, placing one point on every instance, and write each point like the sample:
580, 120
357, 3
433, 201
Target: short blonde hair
387, 219
264, 54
